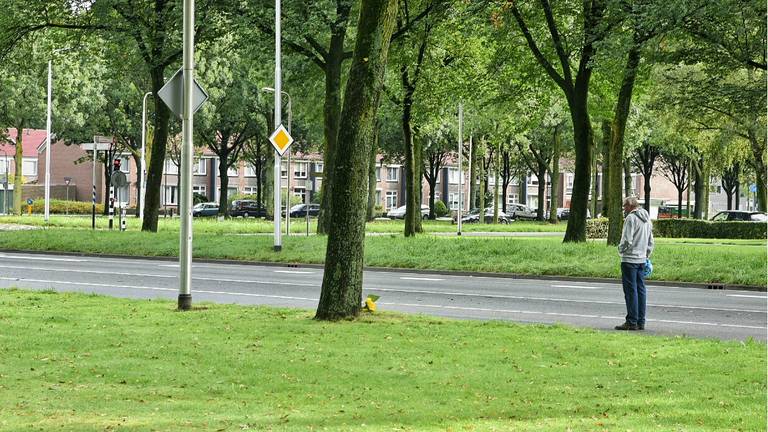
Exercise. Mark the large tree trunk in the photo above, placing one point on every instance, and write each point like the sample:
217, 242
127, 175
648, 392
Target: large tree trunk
412, 171
331, 112
224, 185
606, 184
699, 188
616, 157
582, 128
18, 174
480, 189
555, 176
627, 177
758, 155
157, 154
341, 293
541, 191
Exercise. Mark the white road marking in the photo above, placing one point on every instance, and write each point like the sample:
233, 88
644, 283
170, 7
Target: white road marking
151, 288
421, 279
563, 314
577, 287
293, 271
748, 296
36, 258
168, 265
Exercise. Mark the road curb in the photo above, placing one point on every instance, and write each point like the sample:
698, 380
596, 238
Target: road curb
651, 283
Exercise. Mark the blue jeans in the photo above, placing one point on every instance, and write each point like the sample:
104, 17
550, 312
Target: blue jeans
633, 282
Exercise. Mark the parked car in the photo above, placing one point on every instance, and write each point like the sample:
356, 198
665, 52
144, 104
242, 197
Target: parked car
300, 210
205, 209
564, 212
520, 211
247, 208
399, 213
474, 216
740, 215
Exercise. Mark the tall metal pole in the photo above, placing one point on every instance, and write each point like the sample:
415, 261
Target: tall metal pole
48, 145
143, 167
93, 187
471, 180
461, 175
185, 215
278, 93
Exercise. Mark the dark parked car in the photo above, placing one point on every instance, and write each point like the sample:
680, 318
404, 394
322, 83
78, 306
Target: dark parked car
205, 209
474, 216
740, 215
246, 208
300, 210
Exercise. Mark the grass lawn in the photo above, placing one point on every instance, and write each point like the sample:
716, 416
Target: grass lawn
74, 362
743, 262
298, 225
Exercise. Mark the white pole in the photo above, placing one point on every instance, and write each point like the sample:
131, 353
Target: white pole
461, 174
93, 187
185, 194
143, 167
48, 145
471, 180
290, 186
278, 93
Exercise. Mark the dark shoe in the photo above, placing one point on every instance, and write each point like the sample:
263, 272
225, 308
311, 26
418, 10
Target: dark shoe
641, 326
627, 326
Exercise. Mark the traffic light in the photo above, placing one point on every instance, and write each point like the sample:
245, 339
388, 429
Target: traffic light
116, 165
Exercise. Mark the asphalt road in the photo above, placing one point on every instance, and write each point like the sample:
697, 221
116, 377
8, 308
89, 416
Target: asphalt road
722, 314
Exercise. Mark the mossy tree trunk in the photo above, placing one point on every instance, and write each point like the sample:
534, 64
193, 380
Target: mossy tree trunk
341, 293
18, 175
555, 175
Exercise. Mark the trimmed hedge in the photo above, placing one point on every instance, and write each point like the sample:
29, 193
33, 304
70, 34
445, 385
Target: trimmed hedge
697, 228
63, 207
690, 228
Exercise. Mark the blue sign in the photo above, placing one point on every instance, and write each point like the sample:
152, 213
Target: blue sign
29, 201
753, 188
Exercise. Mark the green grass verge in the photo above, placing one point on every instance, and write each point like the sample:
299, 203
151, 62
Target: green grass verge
74, 362
743, 263
298, 225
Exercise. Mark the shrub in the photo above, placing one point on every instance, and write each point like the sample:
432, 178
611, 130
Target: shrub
440, 209
597, 228
696, 228
378, 211
63, 207
198, 198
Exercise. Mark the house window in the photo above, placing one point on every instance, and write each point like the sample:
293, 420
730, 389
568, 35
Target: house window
125, 164
391, 200
29, 167
250, 170
319, 167
300, 170
171, 195
392, 173
513, 198
284, 170
453, 200
199, 167
250, 190
453, 176
569, 183
232, 170
196, 189
300, 192
378, 174
533, 180
171, 167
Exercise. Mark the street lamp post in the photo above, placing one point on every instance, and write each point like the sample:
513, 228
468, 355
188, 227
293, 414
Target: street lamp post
142, 168
5, 185
278, 246
288, 193
67, 180
461, 177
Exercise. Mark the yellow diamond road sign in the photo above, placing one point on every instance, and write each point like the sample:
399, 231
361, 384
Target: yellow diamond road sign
281, 140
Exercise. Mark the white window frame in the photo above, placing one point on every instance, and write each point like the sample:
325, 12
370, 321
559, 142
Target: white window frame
234, 170
200, 189
171, 168
249, 170
24, 170
453, 200
200, 167
173, 192
453, 176
300, 170
390, 195
250, 190
393, 169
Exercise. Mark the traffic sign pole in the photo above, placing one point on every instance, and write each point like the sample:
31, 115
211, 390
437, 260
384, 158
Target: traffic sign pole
461, 177
185, 214
278, 244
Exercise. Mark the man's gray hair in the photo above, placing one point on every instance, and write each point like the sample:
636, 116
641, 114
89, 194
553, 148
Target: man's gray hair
630, 201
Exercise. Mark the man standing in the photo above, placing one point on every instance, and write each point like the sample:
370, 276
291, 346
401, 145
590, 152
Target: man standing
635, 247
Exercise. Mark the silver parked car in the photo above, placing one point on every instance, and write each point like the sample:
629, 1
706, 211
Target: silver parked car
520, 211
399, 213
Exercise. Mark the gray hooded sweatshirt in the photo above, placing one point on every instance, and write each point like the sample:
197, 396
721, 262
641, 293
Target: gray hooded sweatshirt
637, 237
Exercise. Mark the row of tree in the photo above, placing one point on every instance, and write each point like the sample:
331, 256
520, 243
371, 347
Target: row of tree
681, 78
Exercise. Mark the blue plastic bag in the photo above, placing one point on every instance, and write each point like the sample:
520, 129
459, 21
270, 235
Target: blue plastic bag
648, 268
